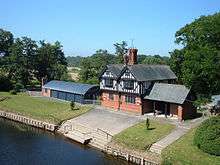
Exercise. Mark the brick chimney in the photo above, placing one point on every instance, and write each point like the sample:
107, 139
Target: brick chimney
132, 53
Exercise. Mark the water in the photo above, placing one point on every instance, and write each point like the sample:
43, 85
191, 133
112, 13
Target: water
25, 145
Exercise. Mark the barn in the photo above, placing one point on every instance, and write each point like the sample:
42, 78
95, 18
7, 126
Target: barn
70, 91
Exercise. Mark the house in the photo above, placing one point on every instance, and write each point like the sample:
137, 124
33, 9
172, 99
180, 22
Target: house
77, 92
125, 87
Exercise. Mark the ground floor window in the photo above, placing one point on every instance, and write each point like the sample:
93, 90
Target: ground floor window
45, 90
130, 99
111, 96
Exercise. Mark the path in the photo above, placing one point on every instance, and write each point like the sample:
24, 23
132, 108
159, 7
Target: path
180, 130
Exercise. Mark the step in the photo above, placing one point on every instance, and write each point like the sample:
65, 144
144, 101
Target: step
78, 136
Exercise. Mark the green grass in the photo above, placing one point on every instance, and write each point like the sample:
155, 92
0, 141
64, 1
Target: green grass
184, 152
139, 138
40, 108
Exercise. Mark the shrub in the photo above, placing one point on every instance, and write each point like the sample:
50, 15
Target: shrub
5, 83
13, 92
72, 105
207, 136
147, 123
18, 87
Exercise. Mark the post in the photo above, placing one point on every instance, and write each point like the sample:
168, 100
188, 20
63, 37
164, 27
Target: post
154, 109
166, 110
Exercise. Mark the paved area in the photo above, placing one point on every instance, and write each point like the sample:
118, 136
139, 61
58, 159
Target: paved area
109, 121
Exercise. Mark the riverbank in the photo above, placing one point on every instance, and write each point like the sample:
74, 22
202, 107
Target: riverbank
39, 108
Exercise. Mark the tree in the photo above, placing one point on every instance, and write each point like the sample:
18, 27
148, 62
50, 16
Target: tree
19, 62
6, 40
121, 50
50, 61
92, 66
197, 64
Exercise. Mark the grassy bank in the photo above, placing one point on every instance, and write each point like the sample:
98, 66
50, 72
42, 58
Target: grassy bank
40, 108
183, 152
139, 138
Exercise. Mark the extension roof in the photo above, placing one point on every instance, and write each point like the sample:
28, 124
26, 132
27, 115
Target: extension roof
69, 87
171, 93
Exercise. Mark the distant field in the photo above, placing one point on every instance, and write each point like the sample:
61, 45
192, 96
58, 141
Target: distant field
74, 72
40, 108
183, 151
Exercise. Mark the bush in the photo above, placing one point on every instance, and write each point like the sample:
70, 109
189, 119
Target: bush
147, 123
13, 92
72, 105
207, 136
5, 83
18, 87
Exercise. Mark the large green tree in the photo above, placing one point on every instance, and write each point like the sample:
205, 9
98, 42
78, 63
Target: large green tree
198, 63
6, 40
121, 50
50, 61
19, 62
93, 65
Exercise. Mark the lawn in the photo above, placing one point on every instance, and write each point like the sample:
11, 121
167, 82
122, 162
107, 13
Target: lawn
139, 138
40, 108
183, 152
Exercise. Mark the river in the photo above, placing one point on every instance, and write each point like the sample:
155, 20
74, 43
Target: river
24, 145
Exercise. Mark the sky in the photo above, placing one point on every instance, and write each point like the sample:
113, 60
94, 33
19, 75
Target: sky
85, 26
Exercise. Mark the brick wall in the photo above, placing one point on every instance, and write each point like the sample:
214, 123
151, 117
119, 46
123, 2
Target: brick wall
106, 102
45, 92
121, 104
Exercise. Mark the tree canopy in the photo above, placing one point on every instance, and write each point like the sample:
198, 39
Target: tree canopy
197, 64
24, 60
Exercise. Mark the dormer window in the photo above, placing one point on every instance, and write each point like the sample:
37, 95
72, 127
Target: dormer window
128, 84
109, 82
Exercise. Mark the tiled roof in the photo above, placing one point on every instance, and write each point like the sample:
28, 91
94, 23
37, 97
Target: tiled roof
171, 93
115, 69
70, 87
151, 72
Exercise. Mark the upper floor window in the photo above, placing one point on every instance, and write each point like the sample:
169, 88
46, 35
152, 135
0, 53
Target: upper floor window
109, 83
130, 99
128, 84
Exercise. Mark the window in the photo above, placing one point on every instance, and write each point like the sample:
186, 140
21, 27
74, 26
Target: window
127, 74
45, 90
107, 73
109, 83
130, 99
111, 96
129, 84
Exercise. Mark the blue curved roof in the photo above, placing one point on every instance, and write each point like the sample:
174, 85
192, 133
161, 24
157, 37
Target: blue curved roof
70, 87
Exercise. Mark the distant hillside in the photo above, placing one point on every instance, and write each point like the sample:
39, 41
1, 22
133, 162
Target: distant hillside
74, 61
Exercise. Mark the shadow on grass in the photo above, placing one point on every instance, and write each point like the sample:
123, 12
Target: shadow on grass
151, 128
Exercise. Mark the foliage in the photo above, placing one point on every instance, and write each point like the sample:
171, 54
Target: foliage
13, 92
201, 102
156, 59
72, 105
6, 40
197, 64
40, 108
147, 123
5, 82
120, 50
50, 61
18, 87
207, 136
24, 60
74, 61
92, 66
183, 151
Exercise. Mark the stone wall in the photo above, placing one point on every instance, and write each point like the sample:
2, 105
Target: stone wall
28, 121
129, 157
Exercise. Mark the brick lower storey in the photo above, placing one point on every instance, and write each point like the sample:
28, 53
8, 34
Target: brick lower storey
142, 106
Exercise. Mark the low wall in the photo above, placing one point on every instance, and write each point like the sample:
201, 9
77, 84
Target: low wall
28, 121
129, 157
